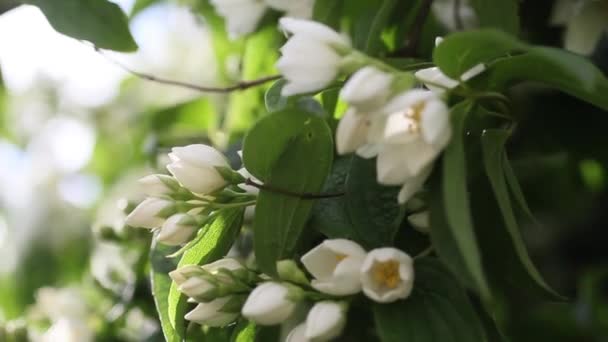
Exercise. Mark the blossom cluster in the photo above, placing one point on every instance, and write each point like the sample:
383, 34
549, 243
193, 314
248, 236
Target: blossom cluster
201, 183
340, 268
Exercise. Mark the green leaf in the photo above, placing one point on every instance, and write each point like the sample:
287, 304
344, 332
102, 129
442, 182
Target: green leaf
273, 99
452, 233
372, 208
371, 31
328, 12
99, 21
461, 51
244, 331
516, 190
493, 141
216, 242
499, 14
141, 5
437, 310
293, 151
556, 68
161, 283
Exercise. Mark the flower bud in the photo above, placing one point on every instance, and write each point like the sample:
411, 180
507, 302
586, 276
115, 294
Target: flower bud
352, 130
195, 167
241, 16
310, 59
325, 321
297, 334
420, 221
269, 304
368, 88
387, 275
158, 185
289, 271
335, 264
148, 213
177, 230
180, 275
212, 314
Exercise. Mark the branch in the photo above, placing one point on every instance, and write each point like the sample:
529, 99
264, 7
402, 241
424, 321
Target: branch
305, 195
413, 38
242, 85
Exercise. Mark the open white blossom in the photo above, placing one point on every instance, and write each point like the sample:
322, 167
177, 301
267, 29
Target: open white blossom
211, 313
268, 304
311, 58
335, 265
177, 230
241, 16
325, 321
146, 214
194, 166
367, 89
387, 275
585, 21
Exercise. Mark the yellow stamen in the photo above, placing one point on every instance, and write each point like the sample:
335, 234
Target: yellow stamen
340, 257
415, 113
387, 273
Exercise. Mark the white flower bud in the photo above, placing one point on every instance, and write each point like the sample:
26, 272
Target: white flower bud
297, 334
368, 88
211, 313
269, 304
158, 185
194, 166
325, 321
177, 230
241, 16
146, 214
387, 275
309, 60
195, 287
351, 132
335, 264
180, 275
420, 221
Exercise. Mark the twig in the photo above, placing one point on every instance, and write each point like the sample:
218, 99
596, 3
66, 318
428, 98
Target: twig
304, 195
413, 37
457, 18
242, 85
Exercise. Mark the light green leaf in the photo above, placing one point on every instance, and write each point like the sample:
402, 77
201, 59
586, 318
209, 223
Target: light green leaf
161, 284
216, 242
293, 151
559, 69
499, 14
437, 310
461, 51
99, 21
454, 236
245, 331
493, 141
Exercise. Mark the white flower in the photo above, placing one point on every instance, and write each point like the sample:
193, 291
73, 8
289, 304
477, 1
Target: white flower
268, 304
585, 22
335, 264
309, 59
351, 132
177, 230
438, 82
413, 184
415, 129
241, 16
367, 88
58, 303
325, 321
293, 8
297, 334
420, 221
68, 330
211, 313
146, 214
387, 275
194, 166
158, 185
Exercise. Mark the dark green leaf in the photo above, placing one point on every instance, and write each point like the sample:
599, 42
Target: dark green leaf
141, 5
99, 21
289, 150
373, 208
454, 236
516, 190
161, 283
273, 98
499, 14
216, 242
559, 69
493, 142
328, 12
437, 310
461, 51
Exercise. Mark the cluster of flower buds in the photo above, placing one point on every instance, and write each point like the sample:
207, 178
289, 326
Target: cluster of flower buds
219, 288
201, 183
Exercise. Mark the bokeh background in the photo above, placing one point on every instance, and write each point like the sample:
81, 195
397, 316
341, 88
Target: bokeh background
77, 130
